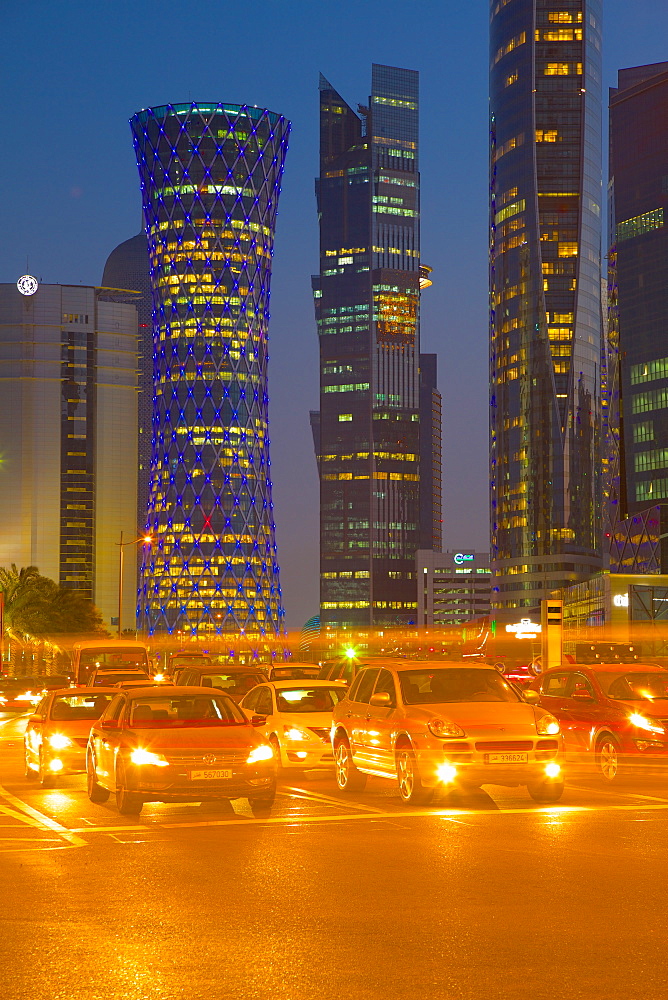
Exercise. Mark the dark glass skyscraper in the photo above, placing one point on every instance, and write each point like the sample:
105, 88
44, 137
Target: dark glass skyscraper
639, 278
367, 310
210, 179
545, 322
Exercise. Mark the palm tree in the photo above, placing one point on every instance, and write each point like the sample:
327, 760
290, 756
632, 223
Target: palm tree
37, 606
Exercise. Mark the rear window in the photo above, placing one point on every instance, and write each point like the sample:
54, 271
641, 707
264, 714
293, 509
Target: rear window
236, 684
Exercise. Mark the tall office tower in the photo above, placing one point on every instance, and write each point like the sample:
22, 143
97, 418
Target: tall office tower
210, 179
68, 437
127, 268
431, 522
639, 286
545, 321
367, 305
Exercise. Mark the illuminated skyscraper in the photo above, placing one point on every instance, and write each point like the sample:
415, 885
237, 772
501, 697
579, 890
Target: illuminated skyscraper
367, 304
545, 270
210, 179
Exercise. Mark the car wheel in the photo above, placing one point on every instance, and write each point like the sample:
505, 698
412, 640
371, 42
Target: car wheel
411, 789
262, 807
29, 771
128, 803
45, 776
348, 778
96, 793
607, 758
545, 791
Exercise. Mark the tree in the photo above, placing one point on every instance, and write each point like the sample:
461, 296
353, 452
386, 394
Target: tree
37, 606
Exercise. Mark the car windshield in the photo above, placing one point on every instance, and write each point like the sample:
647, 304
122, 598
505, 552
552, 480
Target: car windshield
108, 679
634, 685
79, 707
434, 687
180, 711
308, 699
233, 683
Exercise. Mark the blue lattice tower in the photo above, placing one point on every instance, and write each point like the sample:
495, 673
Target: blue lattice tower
210, 180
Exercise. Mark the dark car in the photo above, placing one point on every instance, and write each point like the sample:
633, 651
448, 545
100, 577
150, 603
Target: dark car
20, 694
233, 681
614, 716
178, 745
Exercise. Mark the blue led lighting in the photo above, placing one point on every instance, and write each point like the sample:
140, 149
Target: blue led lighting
209, 509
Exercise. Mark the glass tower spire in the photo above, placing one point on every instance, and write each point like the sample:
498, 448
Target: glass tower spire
545, 296
210, 179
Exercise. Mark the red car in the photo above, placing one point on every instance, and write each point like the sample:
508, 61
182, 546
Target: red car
612, 715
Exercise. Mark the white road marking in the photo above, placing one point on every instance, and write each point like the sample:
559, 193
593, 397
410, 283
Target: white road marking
37, 819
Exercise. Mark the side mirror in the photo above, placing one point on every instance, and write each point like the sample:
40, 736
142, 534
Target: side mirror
381, 700
109, 724
583, 695
36, 719
258, 720
531, 696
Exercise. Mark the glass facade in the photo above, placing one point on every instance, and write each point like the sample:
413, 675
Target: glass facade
210, 179
367, 312
546, 470
639, 279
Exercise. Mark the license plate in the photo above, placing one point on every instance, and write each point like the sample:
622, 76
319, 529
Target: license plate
506, 758
210, 775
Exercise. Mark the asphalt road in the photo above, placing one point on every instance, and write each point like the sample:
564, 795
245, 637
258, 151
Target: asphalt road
332, 897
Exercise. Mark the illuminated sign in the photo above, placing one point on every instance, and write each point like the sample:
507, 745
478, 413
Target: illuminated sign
621, 600
463, 557
27, 285
524, 629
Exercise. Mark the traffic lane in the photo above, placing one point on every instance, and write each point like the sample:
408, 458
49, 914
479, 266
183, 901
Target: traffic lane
514, 905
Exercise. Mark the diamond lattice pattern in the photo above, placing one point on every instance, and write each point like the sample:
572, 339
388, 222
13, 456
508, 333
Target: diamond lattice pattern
210, 180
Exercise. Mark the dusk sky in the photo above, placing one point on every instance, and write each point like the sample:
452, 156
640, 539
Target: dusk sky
74, 72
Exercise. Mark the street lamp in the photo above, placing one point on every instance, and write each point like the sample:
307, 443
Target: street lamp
146, 540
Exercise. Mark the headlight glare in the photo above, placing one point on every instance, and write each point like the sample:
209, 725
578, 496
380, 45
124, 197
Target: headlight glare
58, 741
649, 724
140, 756
263, 752
547, 725
292, 733
444, 728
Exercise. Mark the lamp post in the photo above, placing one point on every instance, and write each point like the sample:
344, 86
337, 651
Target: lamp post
146, 539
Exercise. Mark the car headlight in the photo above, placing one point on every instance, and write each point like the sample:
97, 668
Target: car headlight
444, 728
140, 757
292, 733
649, 724
158, 678
58, 741
263, 752
547, 725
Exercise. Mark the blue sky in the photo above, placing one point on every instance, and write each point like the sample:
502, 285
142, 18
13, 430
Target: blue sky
73, 73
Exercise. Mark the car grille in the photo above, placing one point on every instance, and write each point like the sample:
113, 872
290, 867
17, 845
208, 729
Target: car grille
547, 745
81, 741
197, 756
324, 734
490, 747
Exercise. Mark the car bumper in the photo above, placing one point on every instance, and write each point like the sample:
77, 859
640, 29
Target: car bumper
68, 761
152, 787
307, 758
476, 768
